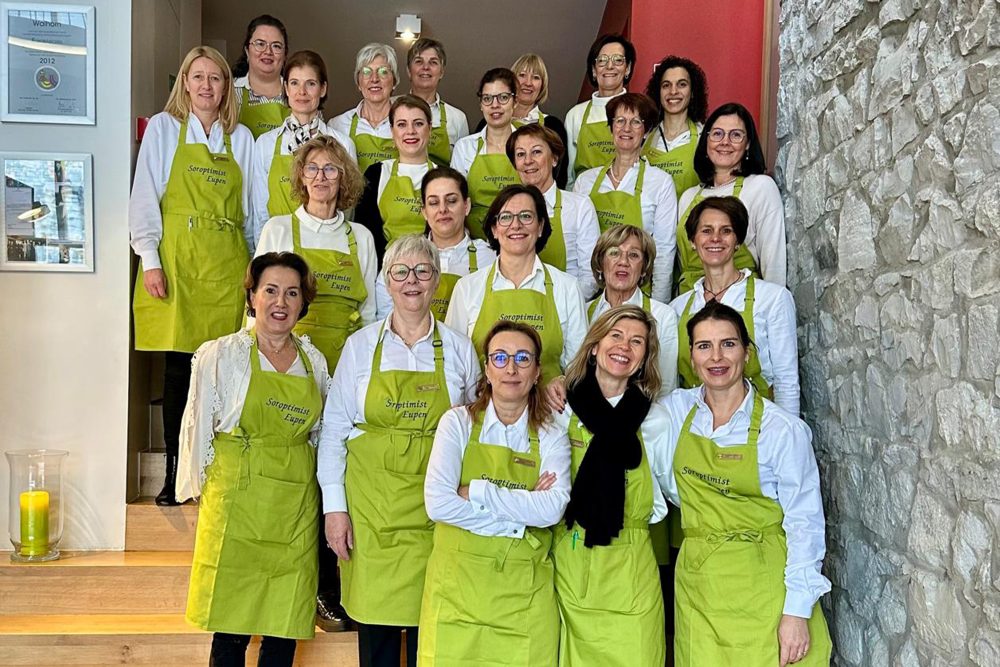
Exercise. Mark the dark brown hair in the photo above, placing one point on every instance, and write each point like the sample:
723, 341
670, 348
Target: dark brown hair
541, 214
730, 206
288, 260
410, 102
698, 106
637, 103
540, 131
501, 74
714, 310
753, 158
595, 50
306, 58
443, 172
242, 65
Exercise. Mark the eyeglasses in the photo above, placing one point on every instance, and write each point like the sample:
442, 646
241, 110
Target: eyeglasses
634, 123
735, 136
617, 60
500, 358
259, 45
526, 218
614, 252
330, 171
400, 272
502, 98
382, 71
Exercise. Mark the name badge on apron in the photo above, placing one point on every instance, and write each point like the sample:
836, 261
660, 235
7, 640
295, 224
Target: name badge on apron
428, 387
729, 457
524, 462
577, 443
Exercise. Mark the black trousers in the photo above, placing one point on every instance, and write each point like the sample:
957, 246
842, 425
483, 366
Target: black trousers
231, 651
379, 645
329, 575
176, 382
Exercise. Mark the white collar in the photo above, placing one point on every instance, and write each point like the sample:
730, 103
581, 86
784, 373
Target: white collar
601, 101
536, 268
742, 413
320, 225
387, 331
464, 243
699, 285
491, 420
634, 300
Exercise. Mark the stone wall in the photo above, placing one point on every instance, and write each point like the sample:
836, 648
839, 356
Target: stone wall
889, 158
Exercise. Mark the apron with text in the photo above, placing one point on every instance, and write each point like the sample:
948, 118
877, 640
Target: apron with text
488, 175
491, 600
335, 313
261, 118
594, 146
554, 252
609, 597
616, 207
279, 183
679, 162
203, 253
439, 148
400, 206
386, 465
371, 148
526, 305
255, 569
730, 576
446, 287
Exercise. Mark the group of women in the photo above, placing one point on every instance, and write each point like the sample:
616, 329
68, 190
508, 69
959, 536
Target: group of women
474, 343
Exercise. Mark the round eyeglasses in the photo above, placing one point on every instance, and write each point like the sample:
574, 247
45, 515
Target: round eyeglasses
500, 358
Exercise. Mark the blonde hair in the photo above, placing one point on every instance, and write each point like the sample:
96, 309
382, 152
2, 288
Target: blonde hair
352, 183
615, 236
534, 64
647, 376
179, 103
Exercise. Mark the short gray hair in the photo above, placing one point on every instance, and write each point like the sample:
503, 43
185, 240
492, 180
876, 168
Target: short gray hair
370, 52
410, 244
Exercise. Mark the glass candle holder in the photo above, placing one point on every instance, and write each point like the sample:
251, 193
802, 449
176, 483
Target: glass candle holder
36, 519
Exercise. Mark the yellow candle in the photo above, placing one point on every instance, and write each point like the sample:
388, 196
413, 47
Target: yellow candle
34, 523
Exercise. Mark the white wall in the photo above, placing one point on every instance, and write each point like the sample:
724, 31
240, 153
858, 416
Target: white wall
64, 349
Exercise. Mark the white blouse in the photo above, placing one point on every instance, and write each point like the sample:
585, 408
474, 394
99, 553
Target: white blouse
661, 143
342, 124
580, 230
465, 151
458, 124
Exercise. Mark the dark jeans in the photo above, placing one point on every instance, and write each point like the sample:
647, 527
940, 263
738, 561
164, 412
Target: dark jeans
379, 645
176, 382
231, 651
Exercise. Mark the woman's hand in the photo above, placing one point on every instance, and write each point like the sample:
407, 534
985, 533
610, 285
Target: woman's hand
793, 639
555, 394
339, 534
155, 282
464, 491
545, 481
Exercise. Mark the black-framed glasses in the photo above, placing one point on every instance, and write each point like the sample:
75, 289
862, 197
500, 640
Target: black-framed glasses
382, 71
735, 136
259, 45
502, 98
500, 358
615, 59
312, 170
526, 218
400, 272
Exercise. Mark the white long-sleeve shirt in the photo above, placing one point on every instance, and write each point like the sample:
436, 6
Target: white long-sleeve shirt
492, 510
263, 155
661, 143
325, 235
766, 231
467, 301
774, 332
465, 151
152, 171
454, 260
458, 124
342, 124
788, 474
345, 405
659, 215
575, 120
580, 230
666, 334
220, 377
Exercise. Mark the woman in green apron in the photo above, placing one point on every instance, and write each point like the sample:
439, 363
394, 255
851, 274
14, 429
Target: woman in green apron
446, 202
609, 69
749, 571
375, 75
260, 94
606, 584
305, 85
519, 286
535, 150
395, 379
482, 157
390, 206
628, 191
716, 229
425, 63
680, 92
187, 224
248, 451
729, 160
497, 478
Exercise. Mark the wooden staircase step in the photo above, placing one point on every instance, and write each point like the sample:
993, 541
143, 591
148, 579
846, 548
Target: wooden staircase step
165, 640
149, 527
97, 582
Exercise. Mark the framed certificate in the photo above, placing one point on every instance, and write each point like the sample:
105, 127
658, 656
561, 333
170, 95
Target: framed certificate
47, 204
47, 63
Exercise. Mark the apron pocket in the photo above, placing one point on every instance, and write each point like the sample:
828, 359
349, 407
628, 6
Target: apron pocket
271, 510
405, 508
214, 254
613, 578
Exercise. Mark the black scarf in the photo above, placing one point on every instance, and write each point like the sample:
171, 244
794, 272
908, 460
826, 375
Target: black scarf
597, 500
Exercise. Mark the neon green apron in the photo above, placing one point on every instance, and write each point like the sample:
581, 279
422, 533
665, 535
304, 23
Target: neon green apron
592, 308
490, 600
446, 287
439, 148
730, 577
340, 290
594, 146
261, 118
609, 597
554, 252
254, 569
616, 207
679, 162
279, 183
488, 175
519, 123
386, 465
202, 252
690, 264
400, 206
523, 305
371, 148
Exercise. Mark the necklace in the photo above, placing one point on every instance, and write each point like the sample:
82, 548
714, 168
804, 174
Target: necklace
274, 349
716, 294
731, 180
372, 119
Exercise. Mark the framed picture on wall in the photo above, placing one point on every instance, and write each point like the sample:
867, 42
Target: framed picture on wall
47, 204
47, 70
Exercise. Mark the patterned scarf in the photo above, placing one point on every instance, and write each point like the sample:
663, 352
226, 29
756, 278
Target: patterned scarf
298, 134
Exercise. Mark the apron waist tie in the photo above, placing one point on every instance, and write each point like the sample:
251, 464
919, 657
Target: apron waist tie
717, 538
396, 434
245, 443
196, 216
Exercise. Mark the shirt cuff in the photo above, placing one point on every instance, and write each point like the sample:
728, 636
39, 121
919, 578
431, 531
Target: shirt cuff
150, 259
798, 604
334, 498
477, 496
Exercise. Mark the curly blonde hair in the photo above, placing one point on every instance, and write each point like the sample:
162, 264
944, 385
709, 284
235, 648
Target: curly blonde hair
352, 183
